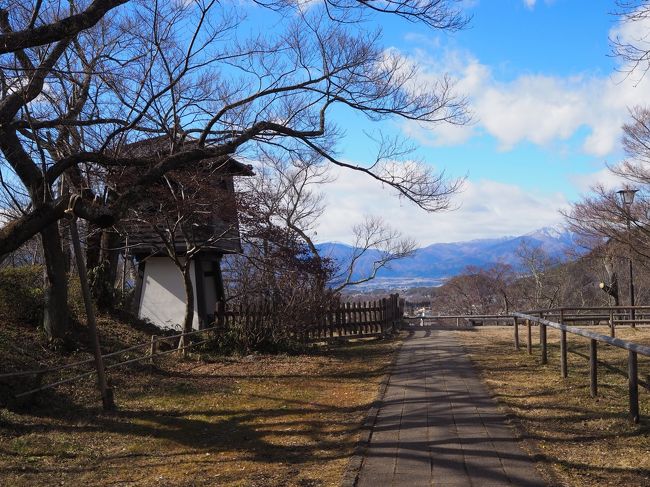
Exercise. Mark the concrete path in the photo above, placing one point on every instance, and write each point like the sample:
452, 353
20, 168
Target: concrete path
438, 426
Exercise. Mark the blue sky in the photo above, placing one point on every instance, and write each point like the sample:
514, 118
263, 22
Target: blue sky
548, 103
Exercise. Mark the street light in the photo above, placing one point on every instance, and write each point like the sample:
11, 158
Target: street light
627, 198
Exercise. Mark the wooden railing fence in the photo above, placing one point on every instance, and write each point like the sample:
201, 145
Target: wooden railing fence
576, 314
338, 321
341, 322
611, 316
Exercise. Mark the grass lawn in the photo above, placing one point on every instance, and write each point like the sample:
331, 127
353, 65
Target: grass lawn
252, 421
585, 442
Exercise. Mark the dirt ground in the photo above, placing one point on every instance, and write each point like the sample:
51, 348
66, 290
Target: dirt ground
585, 442
260, 420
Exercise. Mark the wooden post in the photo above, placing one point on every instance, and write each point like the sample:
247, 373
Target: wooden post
153, 349
368, 316
339, 326
593, 367
529, 338
346, 318
394, 311
373, 317
401, 304
383, 316
457, 322
633, 385
221, 312
106, 392
564, 372
612, 331
185, 350
563, 355
542, 339
516, 332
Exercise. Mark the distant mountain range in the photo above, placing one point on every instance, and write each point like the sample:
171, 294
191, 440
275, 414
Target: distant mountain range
434, 263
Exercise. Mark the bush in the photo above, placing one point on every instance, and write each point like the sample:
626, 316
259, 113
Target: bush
21, 294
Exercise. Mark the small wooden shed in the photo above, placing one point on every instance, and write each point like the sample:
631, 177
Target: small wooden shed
159, 290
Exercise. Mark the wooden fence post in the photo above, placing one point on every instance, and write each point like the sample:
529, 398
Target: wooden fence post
221, 312
593, 367
529, 338
393, 309
564, 372
359, 318
185, 349
542, 339
563, 355
611, 323
633, 385
401, 302
153, 348
339, 324
515, 324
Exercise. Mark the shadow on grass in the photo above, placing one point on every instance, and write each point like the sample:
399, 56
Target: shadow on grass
255, 434
269, 428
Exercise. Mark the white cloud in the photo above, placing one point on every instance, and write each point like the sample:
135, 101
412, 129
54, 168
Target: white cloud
603, 177
487, 209
633, 31
530, 3
536, 108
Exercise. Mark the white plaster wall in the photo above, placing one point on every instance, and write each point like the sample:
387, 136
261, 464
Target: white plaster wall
163, 295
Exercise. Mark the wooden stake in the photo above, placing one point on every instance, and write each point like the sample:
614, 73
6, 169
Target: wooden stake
563, 355
593, 367
153, 349
516, 332
633, 386
106, 392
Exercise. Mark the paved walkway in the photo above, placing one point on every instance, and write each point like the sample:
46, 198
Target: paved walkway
438, 426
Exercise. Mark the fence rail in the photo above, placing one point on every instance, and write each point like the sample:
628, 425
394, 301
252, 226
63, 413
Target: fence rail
341, 322
611, 315
633, 349
596, 315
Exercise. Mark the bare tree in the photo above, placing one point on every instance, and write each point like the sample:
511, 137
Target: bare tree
81, 80
635, 52
546, 275
187, 213
288, 192
374, 237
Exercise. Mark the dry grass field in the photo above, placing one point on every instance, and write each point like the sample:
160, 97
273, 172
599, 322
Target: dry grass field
585, 442
260, 420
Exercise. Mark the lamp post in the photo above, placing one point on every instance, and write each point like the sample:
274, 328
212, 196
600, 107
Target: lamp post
627, 198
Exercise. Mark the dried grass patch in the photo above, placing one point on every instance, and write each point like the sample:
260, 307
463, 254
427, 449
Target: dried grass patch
584, 441
251, 421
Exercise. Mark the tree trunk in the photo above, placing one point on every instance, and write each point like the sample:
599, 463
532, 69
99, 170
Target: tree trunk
55, 316
189, 298
93, 246
104, 272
